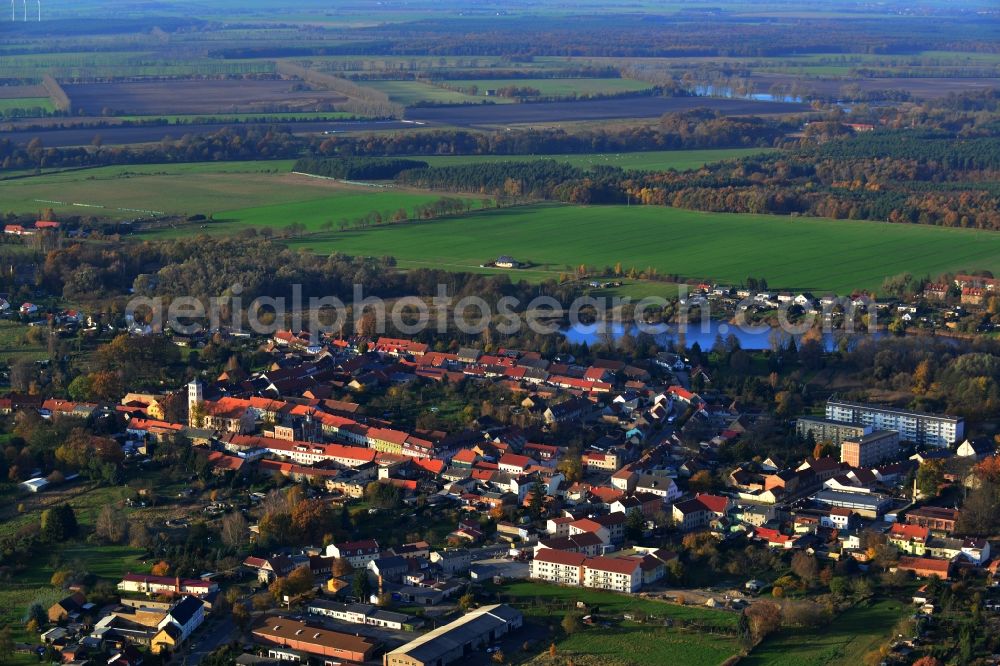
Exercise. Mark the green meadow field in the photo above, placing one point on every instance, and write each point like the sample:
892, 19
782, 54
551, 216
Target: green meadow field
624, 642
411, 92
794, 253
211, 187
843, 642
27, 103
798, 253
238, 193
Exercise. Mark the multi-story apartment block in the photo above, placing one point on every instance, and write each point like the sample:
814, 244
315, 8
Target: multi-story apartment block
826, 430
619, 574
558, 566
938, 430
871, 449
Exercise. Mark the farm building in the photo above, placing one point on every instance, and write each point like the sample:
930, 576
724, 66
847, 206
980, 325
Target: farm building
455, 641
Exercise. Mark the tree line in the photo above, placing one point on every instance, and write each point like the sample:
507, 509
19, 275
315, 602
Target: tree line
356, 168
931, 176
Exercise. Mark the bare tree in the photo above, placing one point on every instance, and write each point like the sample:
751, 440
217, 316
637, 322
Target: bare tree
234, 530
111, 525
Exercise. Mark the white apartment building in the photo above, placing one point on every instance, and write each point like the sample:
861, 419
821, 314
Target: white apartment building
938, 430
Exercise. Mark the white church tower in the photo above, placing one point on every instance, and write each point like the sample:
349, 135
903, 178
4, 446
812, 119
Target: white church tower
195, 396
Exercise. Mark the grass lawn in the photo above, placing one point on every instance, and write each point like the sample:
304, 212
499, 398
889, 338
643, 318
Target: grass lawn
555, 599
637, 290
555, 87
656, 160
842, 643
795, 253
635, 645
624, 642
87, 500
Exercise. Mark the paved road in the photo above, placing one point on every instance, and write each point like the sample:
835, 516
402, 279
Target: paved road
511, 569
212, 635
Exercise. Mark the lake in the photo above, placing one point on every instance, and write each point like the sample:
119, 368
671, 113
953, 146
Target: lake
750, 337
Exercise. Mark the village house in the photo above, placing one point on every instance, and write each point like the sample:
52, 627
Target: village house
159, 585
661, 486
695, 514
609, 528
358, 553
269, 568
910, 539
68, 608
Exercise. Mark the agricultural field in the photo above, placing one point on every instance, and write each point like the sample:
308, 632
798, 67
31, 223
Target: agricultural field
76, 65
25, 104
197, 96
346, 205
657, 160
554, 87
413, 92
119, 134
727, 247
263, 117
120, 192
843, 642
504, 115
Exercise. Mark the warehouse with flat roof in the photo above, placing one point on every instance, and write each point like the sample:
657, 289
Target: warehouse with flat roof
457, 640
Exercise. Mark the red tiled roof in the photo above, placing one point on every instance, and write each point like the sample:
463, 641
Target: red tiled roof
622, 565
924, 564
465, 456
910, 532
713, 503
429, 465
560, 557
515, 460
771, 536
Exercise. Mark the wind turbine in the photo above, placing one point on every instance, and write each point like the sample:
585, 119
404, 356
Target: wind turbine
39, 11
13, 16
25, 3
